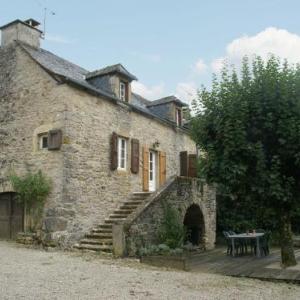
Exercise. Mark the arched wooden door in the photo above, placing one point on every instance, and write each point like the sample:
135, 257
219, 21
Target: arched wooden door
11, 216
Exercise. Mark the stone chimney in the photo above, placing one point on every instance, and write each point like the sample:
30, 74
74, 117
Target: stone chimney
23, 31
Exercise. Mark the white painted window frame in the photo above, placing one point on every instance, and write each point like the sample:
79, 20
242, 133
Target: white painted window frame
41, 137
120, 152
122, 91
178, 112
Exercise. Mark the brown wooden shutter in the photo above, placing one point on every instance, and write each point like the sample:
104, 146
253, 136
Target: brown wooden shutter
145, 169
192, 165
135, 156
54, 139
127, 92
162, 168
114, 152
183, 163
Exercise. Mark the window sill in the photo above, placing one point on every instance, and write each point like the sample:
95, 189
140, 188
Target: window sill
122, 172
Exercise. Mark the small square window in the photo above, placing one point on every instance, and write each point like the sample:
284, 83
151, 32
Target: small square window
43, 141
122, 153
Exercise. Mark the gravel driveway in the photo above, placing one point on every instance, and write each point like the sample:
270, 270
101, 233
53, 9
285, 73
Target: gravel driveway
35, 274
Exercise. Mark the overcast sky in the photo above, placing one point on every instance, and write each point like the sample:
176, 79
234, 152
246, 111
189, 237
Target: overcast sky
171, 46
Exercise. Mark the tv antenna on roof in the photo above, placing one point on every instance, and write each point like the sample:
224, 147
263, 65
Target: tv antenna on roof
52, 13
46, 11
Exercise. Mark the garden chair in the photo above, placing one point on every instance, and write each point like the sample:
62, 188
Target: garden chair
237, 243
228, 242
264, 244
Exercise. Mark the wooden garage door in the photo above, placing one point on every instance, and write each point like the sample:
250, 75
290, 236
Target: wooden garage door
11, 216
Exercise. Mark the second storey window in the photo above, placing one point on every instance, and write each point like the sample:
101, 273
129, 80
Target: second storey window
122, 153
178, 117
122, 91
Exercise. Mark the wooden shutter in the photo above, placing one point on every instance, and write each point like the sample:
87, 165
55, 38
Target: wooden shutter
183, 163
145, 169
192, 165
162, 168
135, 156
54, 139
114, 152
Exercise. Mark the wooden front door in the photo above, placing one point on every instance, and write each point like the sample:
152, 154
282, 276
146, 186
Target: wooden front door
11, 216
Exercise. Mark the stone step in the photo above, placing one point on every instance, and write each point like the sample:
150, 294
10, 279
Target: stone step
141, 194
117, 216
102, 231
123, 211
104, 248
132, 202
96, 241
137, 198
109, 221
95, 235
131, 207
105, 226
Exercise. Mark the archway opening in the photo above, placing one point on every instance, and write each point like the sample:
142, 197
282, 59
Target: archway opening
194, 225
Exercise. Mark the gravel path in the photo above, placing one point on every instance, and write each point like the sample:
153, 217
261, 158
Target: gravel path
35, 274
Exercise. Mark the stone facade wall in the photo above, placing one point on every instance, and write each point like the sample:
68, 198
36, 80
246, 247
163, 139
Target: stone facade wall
30, 104
142, 229
91, 186
85, 190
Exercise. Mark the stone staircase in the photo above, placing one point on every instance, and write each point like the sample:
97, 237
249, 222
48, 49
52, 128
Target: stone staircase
100, 237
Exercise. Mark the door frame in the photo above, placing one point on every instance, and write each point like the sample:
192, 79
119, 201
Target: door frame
12, 207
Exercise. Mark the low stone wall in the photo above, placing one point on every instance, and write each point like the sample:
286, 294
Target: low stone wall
141, 228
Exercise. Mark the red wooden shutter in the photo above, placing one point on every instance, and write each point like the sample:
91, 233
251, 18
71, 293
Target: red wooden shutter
135, 156
145, 169
54, 139
114, 152
192, 165
183, 163
162, 168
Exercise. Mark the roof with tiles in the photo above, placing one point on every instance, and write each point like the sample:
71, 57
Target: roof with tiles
118, 68
76, 75
166, 100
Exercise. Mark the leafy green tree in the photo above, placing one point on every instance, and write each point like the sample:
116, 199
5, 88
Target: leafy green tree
248, 127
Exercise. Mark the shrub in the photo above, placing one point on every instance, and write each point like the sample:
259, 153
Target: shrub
32, 189
171, 231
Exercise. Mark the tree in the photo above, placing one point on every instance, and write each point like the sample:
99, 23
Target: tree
247, 127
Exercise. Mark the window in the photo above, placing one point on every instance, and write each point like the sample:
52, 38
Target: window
178, 117
122, 153
123, 91
43, 141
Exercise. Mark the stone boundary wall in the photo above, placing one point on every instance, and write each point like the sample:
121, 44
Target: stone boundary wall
140, 229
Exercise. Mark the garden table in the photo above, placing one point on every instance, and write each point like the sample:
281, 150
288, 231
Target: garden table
246, 236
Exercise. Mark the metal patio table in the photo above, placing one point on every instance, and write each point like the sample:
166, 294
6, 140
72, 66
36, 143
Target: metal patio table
246, 236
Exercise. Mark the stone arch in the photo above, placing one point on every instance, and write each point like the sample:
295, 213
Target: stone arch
194, 225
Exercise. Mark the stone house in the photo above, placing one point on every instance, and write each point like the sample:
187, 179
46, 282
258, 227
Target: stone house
108, 151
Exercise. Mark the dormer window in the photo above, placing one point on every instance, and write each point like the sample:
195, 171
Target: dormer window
178, 117
123, 94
